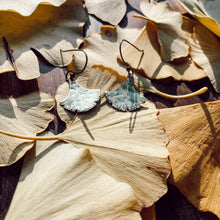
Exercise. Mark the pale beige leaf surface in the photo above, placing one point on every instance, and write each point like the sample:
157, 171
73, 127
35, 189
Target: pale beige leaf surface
205, 51
195, 152
59, 181
47, 30
151, 63
27, 116
171, 37
209, 8
130, 147
26, 8
205, 11
111, 11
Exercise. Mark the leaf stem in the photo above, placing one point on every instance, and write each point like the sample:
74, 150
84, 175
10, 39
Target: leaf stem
198, 92
199, 12
143, 17
36, 138
57, 137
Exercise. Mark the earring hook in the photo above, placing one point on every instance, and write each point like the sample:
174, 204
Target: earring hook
128, 67
78, 50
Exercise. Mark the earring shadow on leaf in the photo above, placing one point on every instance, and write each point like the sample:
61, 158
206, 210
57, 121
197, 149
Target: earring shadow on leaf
79, 99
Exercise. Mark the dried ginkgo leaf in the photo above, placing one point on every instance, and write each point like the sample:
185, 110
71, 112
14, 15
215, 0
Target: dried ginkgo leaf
131, 147
26, 8
151, 63
47, 30
195, 152
171, 37
62, 182
205, 51
25, 116
111, 11
205, 11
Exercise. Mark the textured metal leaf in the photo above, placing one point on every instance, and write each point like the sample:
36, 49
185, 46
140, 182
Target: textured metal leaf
125, 98
80, 99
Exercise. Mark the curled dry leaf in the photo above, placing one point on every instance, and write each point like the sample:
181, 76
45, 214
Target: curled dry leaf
62, 182
205, 51
111, 11
195, 152
130, 147
171, 37
26, 8
47, 30
151, 63
205, 11
25, 116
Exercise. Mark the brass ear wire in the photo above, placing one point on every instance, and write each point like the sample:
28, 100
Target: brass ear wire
71, 73
128, 67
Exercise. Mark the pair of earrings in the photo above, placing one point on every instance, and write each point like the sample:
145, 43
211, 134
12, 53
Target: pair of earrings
81, 99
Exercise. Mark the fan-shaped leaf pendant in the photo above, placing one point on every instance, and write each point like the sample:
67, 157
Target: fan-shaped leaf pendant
125, 98
80, 99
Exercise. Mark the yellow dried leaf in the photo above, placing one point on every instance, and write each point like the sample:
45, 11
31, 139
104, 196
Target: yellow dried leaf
205, 51
194, 149
47, 30
151, 63
25, 116
206, 12
26, 8
62, 182
170, 35
111, 11
131, 147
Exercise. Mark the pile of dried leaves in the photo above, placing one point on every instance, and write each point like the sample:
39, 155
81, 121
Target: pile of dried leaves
109, 164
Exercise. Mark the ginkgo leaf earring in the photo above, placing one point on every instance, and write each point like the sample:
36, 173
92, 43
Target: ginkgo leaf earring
126, 98
79, 99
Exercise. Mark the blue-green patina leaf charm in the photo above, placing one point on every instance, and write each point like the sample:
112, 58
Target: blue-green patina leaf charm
80, 99
125, 98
